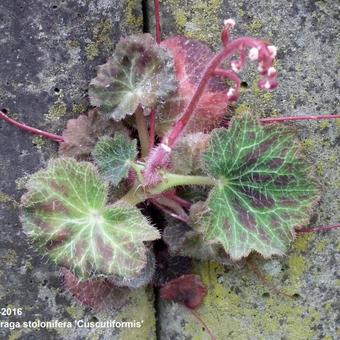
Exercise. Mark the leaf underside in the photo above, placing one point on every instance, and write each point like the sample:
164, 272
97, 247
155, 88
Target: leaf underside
65, 213
113, 156
99, 294
264, 188
140, 72
190, 60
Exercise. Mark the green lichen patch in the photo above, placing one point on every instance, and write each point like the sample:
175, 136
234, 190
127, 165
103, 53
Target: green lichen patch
101, 39
39, 142
191, 18
57, 110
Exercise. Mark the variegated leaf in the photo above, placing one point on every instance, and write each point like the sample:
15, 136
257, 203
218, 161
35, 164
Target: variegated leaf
113, 156
264, 189
65, 213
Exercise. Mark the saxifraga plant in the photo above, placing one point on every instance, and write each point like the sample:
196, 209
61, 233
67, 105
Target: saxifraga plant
247, 188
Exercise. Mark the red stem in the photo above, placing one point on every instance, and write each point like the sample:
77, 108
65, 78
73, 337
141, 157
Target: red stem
32, 130
228, 74
152, 128
291, 118
157, 21
184, 203
316, 229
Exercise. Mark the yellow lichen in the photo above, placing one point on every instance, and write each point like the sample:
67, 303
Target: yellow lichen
57, 111
4, 198
302, 241
39, 142
297, 266
79, 108
10, 258
76, 312
240, 312
255, 26
101, 39
139, 309
321, 245
191, 19
324, 124
307, 145
132, 18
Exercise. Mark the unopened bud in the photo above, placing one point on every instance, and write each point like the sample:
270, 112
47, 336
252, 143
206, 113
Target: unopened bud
253, 53
229, 23
235, 66
260, 67
272, 50
271, 72
232, 94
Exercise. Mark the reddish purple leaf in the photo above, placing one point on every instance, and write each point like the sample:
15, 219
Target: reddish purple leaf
187, 290
99, 294
190, 59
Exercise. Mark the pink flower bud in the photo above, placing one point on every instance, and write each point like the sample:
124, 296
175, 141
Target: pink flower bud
232, 95
271, 72
272, 50
253, 53
230, 23
235, 66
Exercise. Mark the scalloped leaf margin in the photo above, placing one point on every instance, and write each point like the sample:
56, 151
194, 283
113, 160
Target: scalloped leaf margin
65, 214
264, 188
140, 73
113, 156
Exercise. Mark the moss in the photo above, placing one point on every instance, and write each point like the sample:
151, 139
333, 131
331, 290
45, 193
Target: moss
57, 111
255, 26
324, 124
307, 145
78, 108
39, 142
76, 312
132, 17
297, 266
101, 39
4, 198
192, 19
139, 308
302, 241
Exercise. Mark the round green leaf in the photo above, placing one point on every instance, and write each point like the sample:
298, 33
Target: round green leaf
113, 156
264, 189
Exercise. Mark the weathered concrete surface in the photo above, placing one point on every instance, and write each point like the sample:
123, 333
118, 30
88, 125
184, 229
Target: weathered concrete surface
238, 305
49, 50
